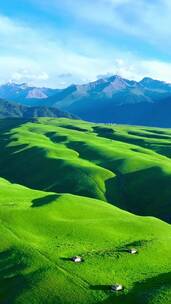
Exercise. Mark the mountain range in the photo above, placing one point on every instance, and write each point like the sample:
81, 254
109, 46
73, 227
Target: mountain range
13, 109
23, 93
108, 100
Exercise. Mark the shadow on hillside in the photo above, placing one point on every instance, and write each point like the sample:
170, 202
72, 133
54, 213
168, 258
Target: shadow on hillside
142, 292
115, 186
6, 124
33, 168
38, 202
149, 135
100, 287
139, 243
56, 138
75, 128
159, 132
112, 134
159, 147
145, 192
66, 259
12, 281
82, 149
113, 192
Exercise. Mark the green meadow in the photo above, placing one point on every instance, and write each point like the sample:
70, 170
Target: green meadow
71, 188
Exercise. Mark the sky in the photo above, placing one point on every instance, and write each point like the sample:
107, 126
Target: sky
55, 43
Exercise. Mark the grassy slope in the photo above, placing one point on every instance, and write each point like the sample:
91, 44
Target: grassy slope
127, 166
40, 230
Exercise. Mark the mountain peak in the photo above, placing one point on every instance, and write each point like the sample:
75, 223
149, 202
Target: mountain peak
155, 84
36, 93
146, 79
151, 80
115, 77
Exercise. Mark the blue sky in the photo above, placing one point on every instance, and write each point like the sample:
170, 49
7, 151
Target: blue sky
55, 43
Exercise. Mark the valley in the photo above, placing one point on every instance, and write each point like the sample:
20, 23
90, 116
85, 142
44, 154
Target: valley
69, 187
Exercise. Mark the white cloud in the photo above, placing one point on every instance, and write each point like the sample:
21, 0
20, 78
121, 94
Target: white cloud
136, 68
148, 20
156, 69
30, 54
26, 76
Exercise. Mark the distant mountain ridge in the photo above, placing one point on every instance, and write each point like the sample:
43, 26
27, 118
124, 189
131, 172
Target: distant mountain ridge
12, 109
111, 99
23, 93
118, 100
106, 87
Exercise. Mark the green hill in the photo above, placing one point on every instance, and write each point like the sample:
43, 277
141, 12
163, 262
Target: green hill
127, 166
66, 189
10, 109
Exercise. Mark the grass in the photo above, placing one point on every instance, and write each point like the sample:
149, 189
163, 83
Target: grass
108, 163
74, 189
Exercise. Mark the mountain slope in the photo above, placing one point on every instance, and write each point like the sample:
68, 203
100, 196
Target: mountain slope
111, 99
110, 163
40, 231
11, 109
118, 100
25, 94
155, 114
114, 89
43, 226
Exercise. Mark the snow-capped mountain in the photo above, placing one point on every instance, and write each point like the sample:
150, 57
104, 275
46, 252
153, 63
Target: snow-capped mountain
110, 99
110, 91
23, 93
118, 100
